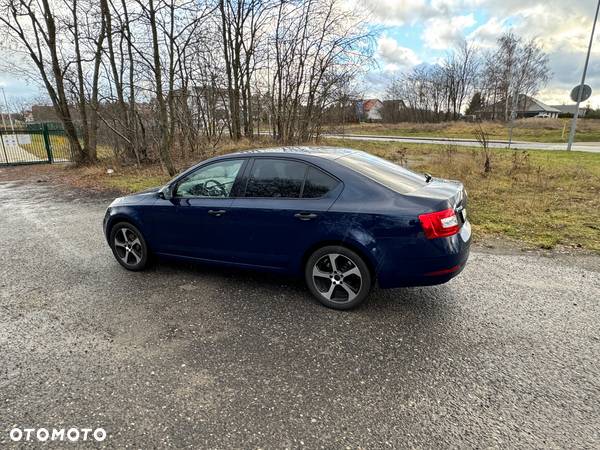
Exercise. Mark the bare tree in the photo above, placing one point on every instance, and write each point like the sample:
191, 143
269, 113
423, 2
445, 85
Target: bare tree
483, 137
34, 26
84, 82
317, 46
424, 91
460, 70
151, 77
515, 70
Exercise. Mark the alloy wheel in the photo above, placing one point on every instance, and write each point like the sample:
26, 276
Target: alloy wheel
128, 246
337, 278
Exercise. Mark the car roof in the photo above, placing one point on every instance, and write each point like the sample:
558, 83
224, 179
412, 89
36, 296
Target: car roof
331, 153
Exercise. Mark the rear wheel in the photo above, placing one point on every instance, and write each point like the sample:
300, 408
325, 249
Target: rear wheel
338, 277
128, 246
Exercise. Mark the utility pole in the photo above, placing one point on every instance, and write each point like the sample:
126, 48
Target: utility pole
580, 93
513, 116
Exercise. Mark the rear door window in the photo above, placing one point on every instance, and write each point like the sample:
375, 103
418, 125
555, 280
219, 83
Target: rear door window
384, 172
276, 178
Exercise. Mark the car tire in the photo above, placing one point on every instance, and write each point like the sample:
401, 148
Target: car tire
338, 277
129, 246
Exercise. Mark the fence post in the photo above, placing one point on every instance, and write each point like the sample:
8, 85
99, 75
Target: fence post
47, 143
3, 147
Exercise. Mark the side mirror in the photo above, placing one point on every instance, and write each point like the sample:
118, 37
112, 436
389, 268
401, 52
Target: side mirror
166, 192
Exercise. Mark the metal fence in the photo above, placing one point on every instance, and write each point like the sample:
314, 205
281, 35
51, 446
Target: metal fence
34, 146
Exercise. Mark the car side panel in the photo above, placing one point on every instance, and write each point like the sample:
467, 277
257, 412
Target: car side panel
269, 234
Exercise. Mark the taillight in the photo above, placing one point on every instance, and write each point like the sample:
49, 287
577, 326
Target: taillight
439, 224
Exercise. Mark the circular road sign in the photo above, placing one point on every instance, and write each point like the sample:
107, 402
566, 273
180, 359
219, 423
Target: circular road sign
587, 92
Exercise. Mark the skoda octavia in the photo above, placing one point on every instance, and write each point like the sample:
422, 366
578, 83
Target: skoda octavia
343, 219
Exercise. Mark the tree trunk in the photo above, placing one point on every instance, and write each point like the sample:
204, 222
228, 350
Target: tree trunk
164, 148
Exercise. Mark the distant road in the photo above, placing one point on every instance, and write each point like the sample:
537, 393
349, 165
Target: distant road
593, 147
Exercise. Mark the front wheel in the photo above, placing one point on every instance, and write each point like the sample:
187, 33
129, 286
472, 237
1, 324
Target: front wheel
338, 277
128, 246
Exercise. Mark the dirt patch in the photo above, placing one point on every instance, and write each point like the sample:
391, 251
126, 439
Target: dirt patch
69, 179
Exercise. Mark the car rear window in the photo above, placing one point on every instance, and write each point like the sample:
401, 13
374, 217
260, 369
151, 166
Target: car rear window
384, 172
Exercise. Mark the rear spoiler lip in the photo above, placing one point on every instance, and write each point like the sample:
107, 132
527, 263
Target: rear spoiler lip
442, 194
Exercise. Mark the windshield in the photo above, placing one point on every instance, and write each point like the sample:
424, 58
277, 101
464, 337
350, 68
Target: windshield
384, 172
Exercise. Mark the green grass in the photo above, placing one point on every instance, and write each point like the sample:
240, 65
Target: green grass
534, 130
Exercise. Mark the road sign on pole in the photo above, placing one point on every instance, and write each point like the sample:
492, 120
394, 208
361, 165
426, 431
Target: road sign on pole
587, 92
580, 90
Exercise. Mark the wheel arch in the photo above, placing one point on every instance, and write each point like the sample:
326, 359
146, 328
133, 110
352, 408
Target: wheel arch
354, 246
122, 217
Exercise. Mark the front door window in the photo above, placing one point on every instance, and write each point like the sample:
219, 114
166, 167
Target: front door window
214, 181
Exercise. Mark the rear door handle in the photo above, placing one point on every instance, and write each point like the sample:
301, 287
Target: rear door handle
305, 216
216, 212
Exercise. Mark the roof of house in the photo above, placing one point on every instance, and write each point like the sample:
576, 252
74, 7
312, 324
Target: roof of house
570, 109
534, 105
370, 103
526, 104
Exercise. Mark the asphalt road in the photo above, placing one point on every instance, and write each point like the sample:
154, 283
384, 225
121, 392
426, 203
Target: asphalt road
591, 147
505, 355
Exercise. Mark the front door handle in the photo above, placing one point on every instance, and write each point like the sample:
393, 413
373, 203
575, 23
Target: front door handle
216, 212
305, 216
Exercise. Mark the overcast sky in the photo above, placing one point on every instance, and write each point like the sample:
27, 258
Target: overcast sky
417, 31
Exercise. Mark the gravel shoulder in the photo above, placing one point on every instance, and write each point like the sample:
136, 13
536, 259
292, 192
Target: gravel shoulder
190, 356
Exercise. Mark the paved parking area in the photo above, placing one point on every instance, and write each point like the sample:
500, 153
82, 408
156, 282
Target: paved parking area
505, 355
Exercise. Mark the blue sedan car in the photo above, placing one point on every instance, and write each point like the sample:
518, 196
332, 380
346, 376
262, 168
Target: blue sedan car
342, 218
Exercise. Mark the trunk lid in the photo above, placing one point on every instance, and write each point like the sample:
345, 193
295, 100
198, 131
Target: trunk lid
439, 194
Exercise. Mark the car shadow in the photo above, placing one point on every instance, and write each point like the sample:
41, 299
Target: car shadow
267, 288
268, 320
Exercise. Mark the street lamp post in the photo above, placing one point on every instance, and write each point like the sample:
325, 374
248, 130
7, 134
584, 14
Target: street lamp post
580, 93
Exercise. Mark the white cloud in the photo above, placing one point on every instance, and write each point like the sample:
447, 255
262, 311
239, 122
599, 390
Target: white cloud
561, 27
441, 33
487, 34
395, 56
556, 24
401, 12
398, 12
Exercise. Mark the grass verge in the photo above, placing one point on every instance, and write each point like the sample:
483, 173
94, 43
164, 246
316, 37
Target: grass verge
534, 130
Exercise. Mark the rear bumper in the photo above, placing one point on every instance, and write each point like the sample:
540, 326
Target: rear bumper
451, 257
456, 265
